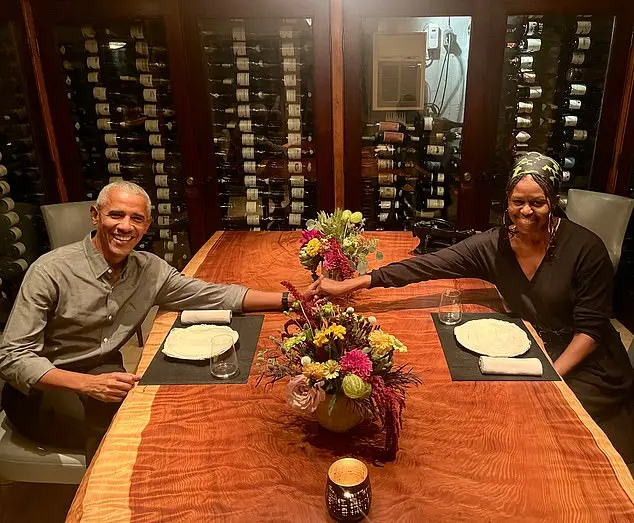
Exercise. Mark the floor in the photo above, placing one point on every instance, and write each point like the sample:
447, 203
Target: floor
53, 501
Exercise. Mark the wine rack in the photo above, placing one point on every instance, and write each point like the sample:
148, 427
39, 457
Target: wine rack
22, 232
411, 140
260, 88
120, 96
554, 72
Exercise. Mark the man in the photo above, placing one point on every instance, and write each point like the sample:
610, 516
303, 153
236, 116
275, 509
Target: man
76, 308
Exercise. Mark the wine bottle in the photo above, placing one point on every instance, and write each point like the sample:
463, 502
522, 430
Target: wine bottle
391, 137
125, 140
107, 124
395, 127
12, 269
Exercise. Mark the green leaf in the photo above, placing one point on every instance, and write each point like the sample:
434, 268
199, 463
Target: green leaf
362, 267
331, 405
379, 255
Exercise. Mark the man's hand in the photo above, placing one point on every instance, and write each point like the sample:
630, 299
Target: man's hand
313, 288
328, 287
111, 387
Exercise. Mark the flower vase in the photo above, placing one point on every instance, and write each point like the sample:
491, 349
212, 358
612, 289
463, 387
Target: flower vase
343, 417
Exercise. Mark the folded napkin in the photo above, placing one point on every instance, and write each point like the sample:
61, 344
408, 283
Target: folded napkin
511, 366
216, 316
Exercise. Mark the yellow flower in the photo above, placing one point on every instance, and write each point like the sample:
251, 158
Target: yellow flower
314, 371
337, 331
293, 341
313, 247
381, 343
321, 337
331, 368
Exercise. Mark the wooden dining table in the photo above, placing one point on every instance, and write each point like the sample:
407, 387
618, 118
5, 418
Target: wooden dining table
469, 450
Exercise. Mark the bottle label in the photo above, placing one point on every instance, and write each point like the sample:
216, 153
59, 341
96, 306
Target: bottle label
294, 139
244, 111
113, 179
165, 234
253, 219
428, 123
149, 95
110, 138
159, 168
3, 169
294, 110
578, 58
526, 62
248, 153
383, 216
387, 192
163, 221
252, 207
433, 203
286, 32
93, 77
386, 178
158, 153
152, 126
8, 204
164, 208
583, 43
295, 167
114, 168
103, 124
522, 137
522, 122
392, 137
291, 96
294, 124
242, 63
436, 150
440, 178
242, 78
156, 140
574, 105
250, 167
533, 45
92, 62
136, 32
565, 176
91, 46
146, 80
289, 65
570, 121
532, 28
524, 107
290, 80
16, 232
142, 65
529, 77
389, 127
163, 193
112, 153
250, 180
252, 194
385, 205
294, 153
297, 181
142, 48
535, 92
99, 93
13, 218
288, 49
579, 135
169, 245
150, 111
102, 109
297, 206
440, 190
297, 193
385, 165
238, 33
87, 31
239, 48
577, 89
242, 95
583, 27
248, 139
161, 180
169, 257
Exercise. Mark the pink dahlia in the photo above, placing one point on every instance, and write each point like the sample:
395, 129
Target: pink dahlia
356, 362
309, 235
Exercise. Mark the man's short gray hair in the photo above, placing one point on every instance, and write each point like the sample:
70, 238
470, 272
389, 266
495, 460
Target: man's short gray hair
129, 187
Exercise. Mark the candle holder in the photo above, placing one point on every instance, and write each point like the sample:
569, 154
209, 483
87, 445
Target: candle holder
348, 491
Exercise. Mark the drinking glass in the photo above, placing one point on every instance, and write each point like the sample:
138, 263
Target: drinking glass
450, 310
223, 363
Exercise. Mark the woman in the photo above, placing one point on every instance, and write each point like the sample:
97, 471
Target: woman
556, 275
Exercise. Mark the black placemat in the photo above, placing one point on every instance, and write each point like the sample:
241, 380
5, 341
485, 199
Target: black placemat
463, 364
164, 370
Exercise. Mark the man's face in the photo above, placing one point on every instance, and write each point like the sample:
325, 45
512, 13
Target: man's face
121, 223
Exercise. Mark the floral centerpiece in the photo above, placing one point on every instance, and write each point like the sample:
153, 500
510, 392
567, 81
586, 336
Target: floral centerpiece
336, 242
334, 355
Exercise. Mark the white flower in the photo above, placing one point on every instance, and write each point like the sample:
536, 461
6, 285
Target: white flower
350, 310
372, 319
306, 360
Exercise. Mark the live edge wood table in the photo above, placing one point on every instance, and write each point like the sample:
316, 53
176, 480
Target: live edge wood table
470, 451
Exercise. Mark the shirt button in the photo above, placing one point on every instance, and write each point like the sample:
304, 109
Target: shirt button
109, 271
105, 340
109, 317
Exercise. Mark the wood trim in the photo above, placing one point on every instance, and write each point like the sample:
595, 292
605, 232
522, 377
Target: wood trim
336, 40
44, 105
250, 9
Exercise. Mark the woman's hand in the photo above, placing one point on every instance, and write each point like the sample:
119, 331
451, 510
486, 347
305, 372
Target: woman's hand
328, 287
312, 289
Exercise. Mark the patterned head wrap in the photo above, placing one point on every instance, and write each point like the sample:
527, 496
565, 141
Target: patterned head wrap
539, 166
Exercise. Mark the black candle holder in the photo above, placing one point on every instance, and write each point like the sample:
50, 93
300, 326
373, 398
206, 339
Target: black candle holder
348, 490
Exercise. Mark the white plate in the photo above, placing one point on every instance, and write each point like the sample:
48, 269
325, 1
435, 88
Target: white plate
194, 343
491, 337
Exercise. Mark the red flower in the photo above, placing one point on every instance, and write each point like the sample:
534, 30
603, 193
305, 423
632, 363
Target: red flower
335, 260
309, 235
357, 362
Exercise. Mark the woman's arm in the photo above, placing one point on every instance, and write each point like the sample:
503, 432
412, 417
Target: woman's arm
578, 349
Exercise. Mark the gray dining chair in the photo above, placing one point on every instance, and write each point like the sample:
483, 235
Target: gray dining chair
607, 215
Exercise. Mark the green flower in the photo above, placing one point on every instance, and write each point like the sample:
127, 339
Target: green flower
356, 217
355, 388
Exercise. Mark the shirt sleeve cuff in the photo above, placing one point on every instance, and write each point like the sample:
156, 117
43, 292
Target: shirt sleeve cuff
31, 373
235, 297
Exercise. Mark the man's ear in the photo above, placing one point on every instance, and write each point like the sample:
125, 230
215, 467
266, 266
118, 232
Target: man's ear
94, 213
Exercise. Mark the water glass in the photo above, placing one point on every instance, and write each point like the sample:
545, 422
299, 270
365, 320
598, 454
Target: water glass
223, 363
450, 310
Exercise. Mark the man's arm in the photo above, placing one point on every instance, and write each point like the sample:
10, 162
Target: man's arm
110, 387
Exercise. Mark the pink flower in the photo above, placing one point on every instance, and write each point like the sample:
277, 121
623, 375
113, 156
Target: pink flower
356, 362
309, 235
335, 260
302, 397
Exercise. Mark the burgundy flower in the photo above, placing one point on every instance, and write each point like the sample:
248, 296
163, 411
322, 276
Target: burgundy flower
309, 235
335, 260
356, 362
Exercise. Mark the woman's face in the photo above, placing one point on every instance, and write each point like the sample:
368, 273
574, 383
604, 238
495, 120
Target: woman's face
528, 206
